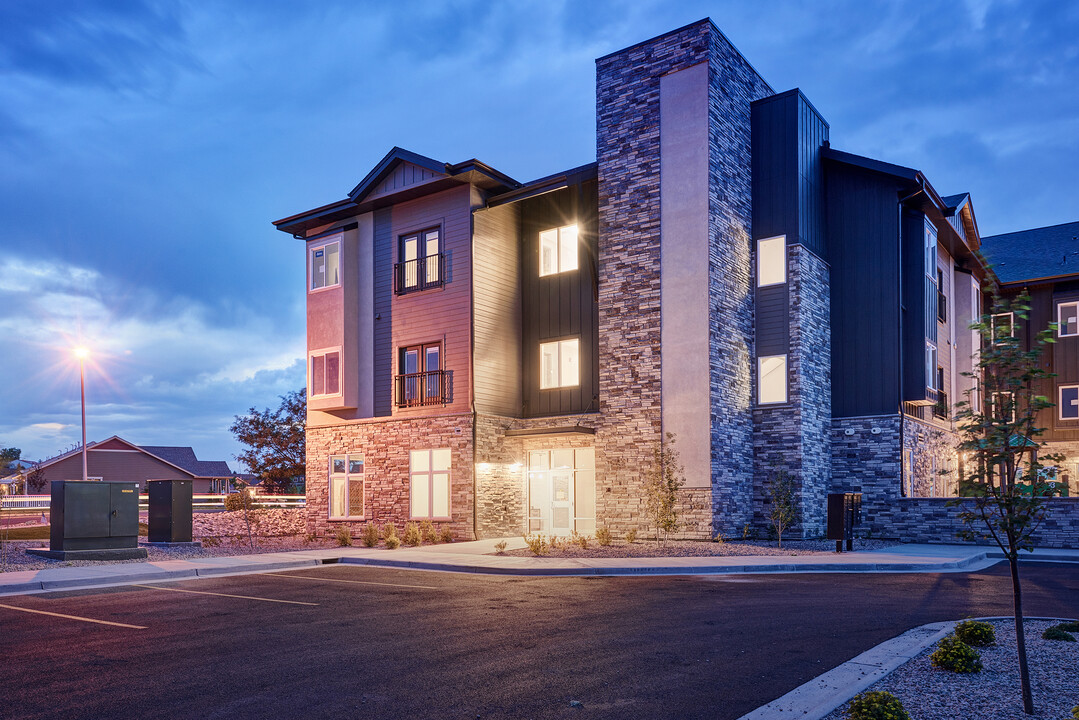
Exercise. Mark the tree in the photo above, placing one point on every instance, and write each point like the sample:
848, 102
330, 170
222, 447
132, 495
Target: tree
662, 481
35, 480
784, 506
1005, 485
9, 459
274, 440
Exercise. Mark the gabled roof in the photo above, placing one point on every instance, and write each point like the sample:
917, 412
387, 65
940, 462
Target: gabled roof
386, 165
184, 457
1041, 253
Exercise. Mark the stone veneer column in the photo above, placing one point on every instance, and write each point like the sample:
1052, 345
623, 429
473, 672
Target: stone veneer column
628, 155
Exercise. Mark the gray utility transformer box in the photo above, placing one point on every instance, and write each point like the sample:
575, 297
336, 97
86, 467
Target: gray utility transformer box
94, 515
170, 511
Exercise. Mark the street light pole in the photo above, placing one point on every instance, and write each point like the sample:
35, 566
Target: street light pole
81, 354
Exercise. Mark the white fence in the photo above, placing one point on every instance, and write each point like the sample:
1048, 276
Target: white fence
199, 502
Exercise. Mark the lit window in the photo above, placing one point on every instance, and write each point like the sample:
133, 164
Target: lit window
324, 373
559, 364
1002, 325
772, 379
420, 380
325, 265
1069, 402
558, 250
346, 486
1068, 319
930, 251
931, 366
429, 483
562, 491
772, 261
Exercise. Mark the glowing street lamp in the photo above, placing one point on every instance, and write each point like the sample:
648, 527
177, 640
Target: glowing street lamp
81, 353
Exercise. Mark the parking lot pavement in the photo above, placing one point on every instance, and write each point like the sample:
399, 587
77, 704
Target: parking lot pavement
345, 641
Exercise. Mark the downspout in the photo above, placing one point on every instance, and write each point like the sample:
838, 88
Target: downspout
899, 326
471, 367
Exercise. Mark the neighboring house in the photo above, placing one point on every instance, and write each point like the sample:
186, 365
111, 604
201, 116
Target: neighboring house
117, 459
504, 357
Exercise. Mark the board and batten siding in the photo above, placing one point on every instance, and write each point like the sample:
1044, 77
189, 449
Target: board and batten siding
496, 309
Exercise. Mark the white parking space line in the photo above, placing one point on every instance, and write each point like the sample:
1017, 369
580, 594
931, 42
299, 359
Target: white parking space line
74, 617
241, 597
355, 582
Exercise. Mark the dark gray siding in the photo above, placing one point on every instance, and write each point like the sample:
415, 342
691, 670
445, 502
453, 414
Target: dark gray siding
384, 361
919, 306
862, 219
773, 320
560, 306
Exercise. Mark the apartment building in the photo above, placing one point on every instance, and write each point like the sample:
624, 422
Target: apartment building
504, 357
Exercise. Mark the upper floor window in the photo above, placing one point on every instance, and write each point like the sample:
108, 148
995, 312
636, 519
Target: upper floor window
772, 379
558, 250
560, 364
421, 379
1068, 402
325, 264
930, 250
942, 299
1002, 407
324, 370
1002, 326
1068, 319
931, 366
772, 261
421, 260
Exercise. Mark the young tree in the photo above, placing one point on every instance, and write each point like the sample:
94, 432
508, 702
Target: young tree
661, 484
9, 458
1005, 484
275, 441
35, 480
784, 505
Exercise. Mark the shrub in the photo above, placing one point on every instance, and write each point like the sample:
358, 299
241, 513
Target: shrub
1072, 626
500, 547
310, 537
370, 535
210, 541
954, 655
445, 534
877, 705
412, 534
343, 535
579, 540
719, 538
234, 502
603, 536
537, 544
1075, 713
975, 633
631, 535
389, 536
429, 532
1057, 633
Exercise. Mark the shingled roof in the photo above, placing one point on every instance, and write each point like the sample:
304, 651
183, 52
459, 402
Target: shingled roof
184, 458
1047, 252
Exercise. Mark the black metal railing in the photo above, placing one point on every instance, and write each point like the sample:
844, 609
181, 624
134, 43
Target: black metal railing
940, 407
422, 388
419, 274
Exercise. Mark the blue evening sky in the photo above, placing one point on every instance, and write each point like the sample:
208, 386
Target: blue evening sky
146, 146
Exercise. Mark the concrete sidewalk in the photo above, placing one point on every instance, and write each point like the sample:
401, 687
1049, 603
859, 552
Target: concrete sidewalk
473, 557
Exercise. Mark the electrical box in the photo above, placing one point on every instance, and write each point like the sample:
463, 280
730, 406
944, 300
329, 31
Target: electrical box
93, 515
170, 511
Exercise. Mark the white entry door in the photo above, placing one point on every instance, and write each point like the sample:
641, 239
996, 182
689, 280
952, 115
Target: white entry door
562, 491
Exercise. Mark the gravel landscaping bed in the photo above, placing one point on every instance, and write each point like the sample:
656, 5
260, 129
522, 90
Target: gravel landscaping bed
694, 548
929, 693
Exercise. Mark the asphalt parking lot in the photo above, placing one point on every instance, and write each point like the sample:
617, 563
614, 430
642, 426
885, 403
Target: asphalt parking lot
348, 641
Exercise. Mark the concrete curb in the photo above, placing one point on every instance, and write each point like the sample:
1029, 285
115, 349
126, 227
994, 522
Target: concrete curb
823, 694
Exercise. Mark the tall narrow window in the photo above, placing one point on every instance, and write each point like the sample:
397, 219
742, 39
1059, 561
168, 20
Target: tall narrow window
930, 250
772, 261
1002, 325
324, 377
346, 486
429, 484
1068, 402
558, 250
772, 379
1068, 319
560, 364
420, 261
931, 366
420, 378
325, 265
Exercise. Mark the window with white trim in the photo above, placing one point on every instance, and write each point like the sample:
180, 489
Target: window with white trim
429, 484
324, 373
930, 251
1002, 326
772, 261
1068, 402
931, 366
1002, 407
346, 486
558, 250
771, 379
324, 265
1068, 319
560, 364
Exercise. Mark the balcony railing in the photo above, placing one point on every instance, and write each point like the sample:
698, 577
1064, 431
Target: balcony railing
419, 274
422, 388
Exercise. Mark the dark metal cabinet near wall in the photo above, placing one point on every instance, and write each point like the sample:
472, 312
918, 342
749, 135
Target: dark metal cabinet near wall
562, 305
93, 515
170, 511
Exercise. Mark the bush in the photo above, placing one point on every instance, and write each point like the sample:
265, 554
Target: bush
445, 534
210, 541
412, 534
631, 536
877, 705
370, 535
1075, 713
579, 540
428, 532
389, 536
603, 536
1057, 633
234, 502
975, 633
1072, 626
537, 544
720, 538
343, 535
500, 547
954, 655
